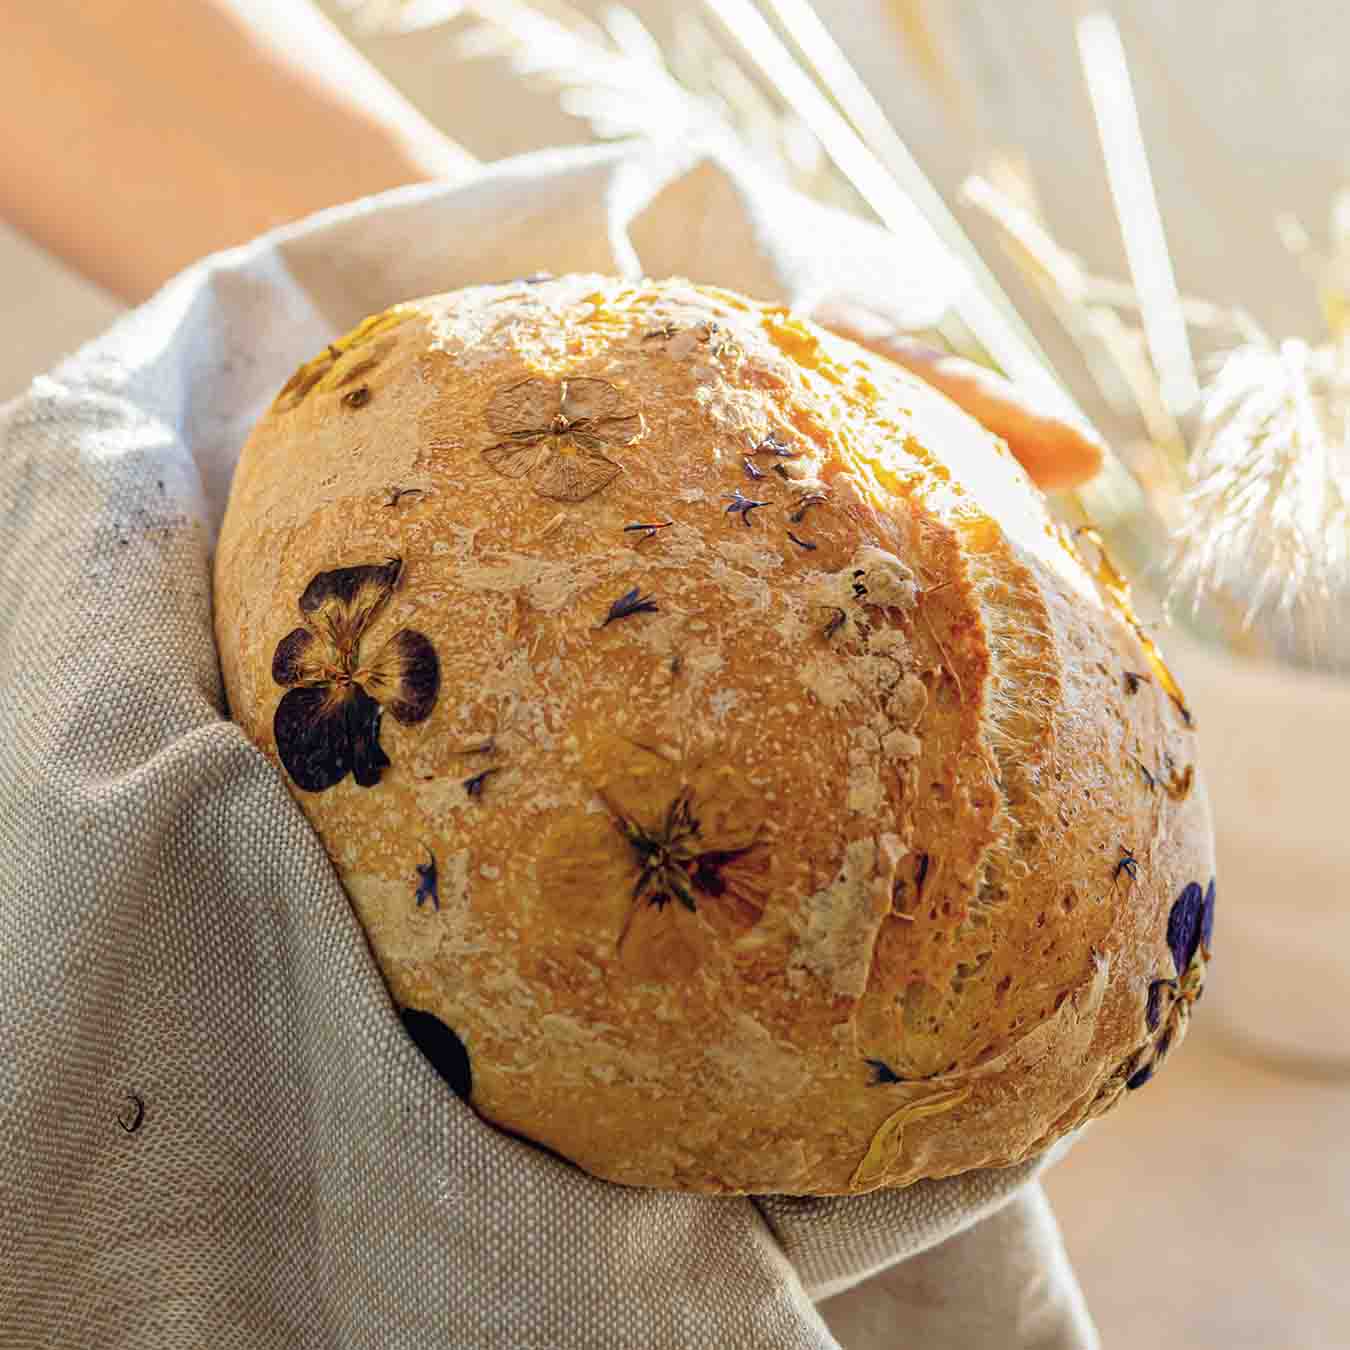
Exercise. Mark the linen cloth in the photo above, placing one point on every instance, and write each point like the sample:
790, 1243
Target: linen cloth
175, 944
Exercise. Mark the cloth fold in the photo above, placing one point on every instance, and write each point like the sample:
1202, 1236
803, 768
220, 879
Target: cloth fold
217, 1129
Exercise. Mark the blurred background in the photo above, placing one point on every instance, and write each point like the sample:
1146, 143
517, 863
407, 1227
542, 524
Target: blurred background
1212, 1211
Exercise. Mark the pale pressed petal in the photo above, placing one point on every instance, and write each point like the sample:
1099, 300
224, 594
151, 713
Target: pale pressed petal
515, 458
566, 476
668, 943
610, 431
734, 902
586, 874
529, 405
341, 603
405, 676
634, 779
730, 814
586, 399
888, 1142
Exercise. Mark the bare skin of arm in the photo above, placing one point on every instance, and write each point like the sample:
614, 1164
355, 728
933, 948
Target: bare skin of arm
154, 132
1055, 454
143, 134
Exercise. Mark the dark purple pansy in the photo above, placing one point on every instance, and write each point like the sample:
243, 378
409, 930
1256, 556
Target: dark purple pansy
1139, 1077
1153, 1015
1207, 918
446, 1052
324, 734
1183, 925
405, 676
328, 723
340, 603
1190, 925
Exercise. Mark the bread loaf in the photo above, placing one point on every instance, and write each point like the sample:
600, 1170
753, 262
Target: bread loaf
738, 774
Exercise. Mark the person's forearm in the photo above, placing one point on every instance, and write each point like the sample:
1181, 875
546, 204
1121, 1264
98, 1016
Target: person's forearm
142, 134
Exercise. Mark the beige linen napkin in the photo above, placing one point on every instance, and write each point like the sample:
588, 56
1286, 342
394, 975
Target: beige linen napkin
215, 1129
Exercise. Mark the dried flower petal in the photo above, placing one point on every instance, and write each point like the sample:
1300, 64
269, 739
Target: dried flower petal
329, 725
309, 374
666, 874
586, 399
325, 732
727, 807
884, 1073
405, 676
556, 433
665, 943
363, 716
648, 531
1139, 1077
474, 785
428, 887
569, 476
1153, 1013
515, 459
1183, 926
634, 780
586, 872
1179, 785
1207, 918
630, 602
311, 737
447, 1054
341, 603
528, 406
742, 505
300, 658
884, 1150
613, 431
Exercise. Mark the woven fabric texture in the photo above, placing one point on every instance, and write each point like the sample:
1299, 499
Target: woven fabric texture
174, 942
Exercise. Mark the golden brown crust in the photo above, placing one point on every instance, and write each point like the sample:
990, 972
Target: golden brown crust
738, 819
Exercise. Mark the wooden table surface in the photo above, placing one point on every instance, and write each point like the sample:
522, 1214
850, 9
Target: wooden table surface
1209, 1212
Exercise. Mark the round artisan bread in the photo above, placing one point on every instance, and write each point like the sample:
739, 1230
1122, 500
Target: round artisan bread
744, 784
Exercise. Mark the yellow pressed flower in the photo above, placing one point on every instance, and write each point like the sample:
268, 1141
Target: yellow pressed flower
670, 868
555, 435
